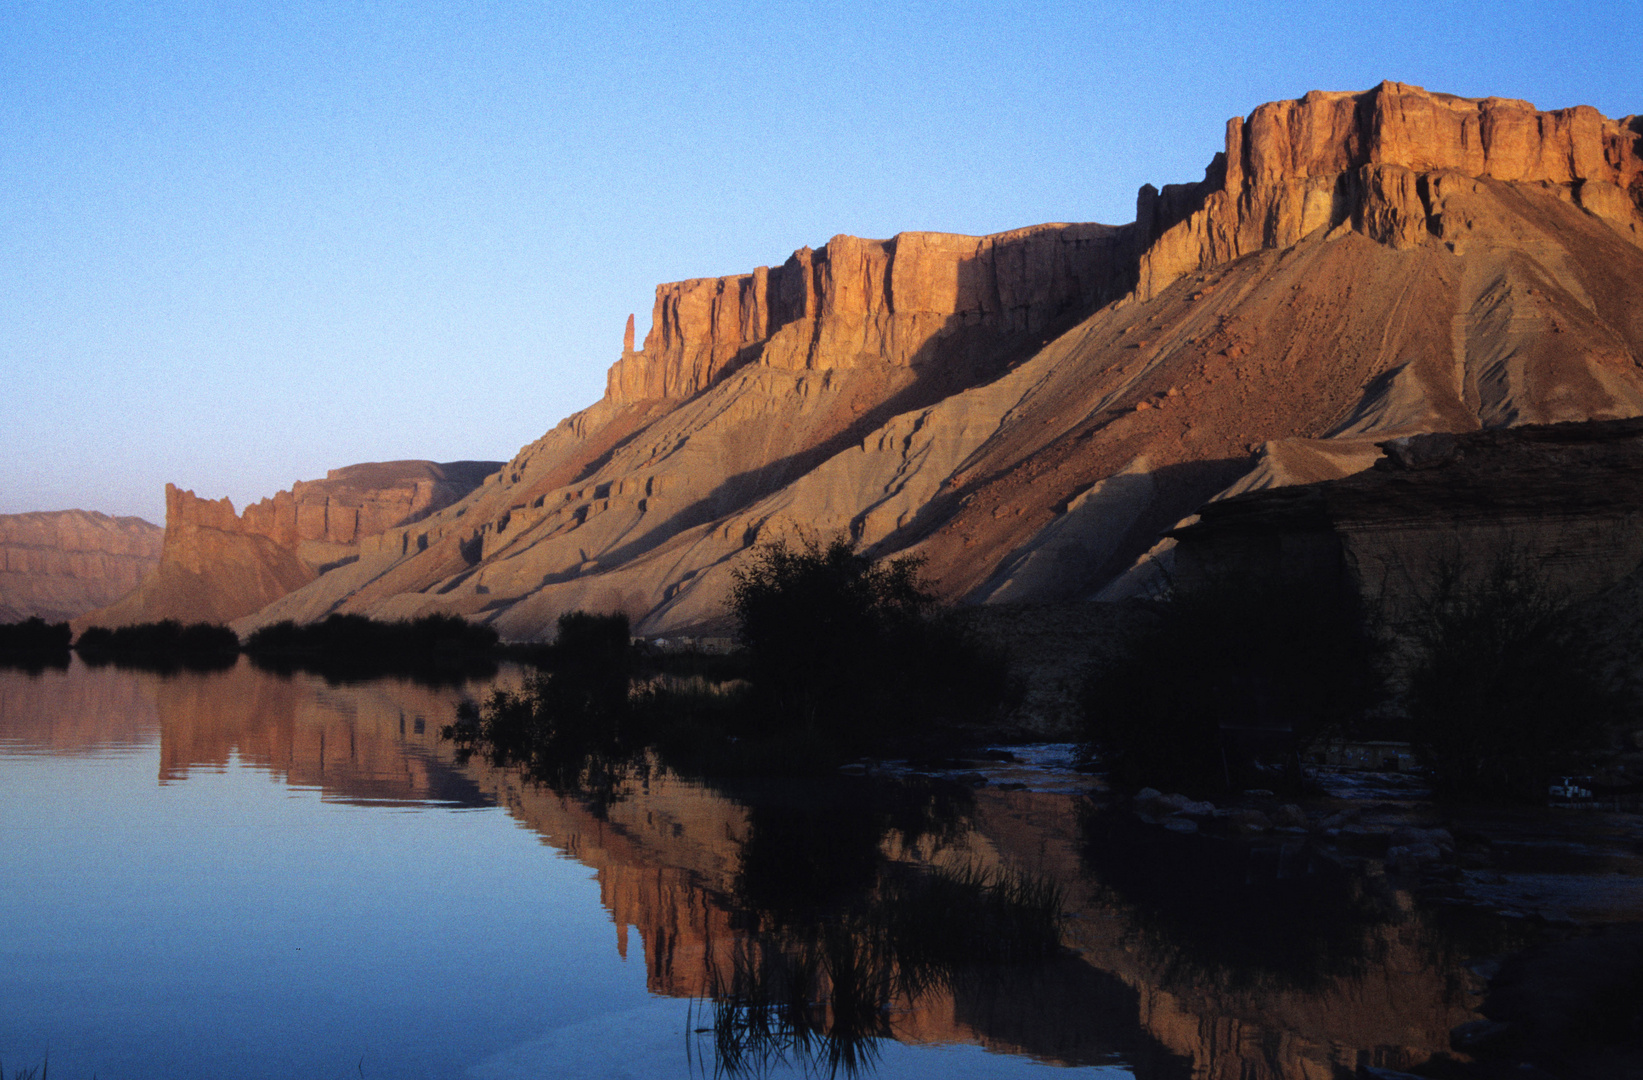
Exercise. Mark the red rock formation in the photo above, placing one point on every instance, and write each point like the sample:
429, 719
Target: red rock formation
1376, 160
217, 566
1030, 411
854, 302
61, 564
349, 504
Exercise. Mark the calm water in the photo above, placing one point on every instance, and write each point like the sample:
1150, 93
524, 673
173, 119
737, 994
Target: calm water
242, 875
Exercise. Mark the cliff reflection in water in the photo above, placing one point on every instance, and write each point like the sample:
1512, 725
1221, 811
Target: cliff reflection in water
813, 920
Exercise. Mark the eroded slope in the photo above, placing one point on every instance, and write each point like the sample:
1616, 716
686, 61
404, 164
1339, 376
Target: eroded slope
1031, 411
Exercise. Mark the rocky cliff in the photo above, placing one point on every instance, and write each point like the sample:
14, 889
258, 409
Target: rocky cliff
914, 299
1030, 411
1386, 164
216, 566
64, 563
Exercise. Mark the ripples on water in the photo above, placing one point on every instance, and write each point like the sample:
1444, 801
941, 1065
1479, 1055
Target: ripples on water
245, 874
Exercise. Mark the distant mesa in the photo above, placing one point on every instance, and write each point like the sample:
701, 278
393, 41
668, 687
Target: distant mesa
59, 564
1032, 411
216, 566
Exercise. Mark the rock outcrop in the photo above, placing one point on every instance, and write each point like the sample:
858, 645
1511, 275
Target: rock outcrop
1384, 163
1563, 502
1030, 412
914, 299
216, 566
59, 564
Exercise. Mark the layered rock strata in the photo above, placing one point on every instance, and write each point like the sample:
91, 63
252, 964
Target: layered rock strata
1029, 412
59, 564
216, 566
913, 299
1384, 163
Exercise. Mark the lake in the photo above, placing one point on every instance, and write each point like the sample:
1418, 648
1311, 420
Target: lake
239, 874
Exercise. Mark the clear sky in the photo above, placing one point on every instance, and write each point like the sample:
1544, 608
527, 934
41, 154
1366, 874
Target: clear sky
242, 244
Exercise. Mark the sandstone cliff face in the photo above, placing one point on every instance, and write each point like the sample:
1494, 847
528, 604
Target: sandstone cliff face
216, 566
348, 505
61, 564
853, 302
1378, 161
1029, 412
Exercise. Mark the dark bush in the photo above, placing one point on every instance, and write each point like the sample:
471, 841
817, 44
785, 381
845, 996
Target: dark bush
34, 634
435, 649
359, 635
165, 638
843, 655
854, 648
166, 646
1503, 688
1227, 686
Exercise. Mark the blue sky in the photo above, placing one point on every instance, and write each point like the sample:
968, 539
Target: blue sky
242, 244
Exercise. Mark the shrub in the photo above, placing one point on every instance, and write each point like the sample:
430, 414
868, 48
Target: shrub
357, 635
1228, 684
854, 647
167, 637
34, 634
166, 646
434, 649
570, 727
1502, 688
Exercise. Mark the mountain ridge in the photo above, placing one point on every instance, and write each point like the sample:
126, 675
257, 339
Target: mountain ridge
1030, 411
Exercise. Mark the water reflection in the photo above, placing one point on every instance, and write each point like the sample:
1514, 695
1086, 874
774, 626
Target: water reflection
1195, 956
34, 662
838, 937
160, 662
86, 711
819, 922
343, 668
1209, 912
372, 744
